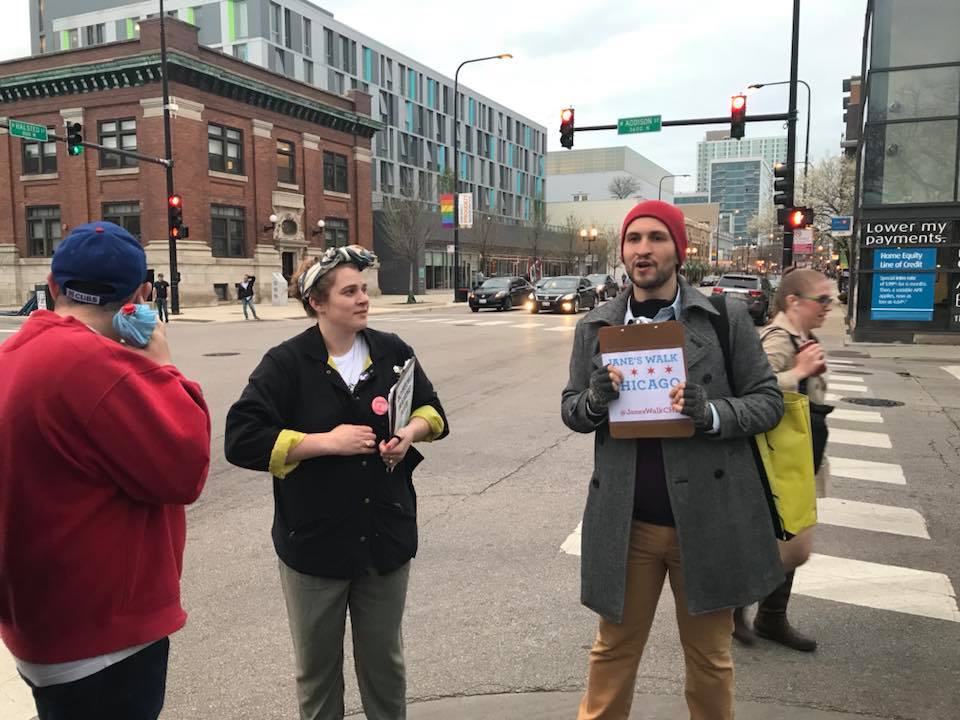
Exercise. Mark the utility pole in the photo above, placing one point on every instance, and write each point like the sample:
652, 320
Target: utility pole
792, 126
174, 275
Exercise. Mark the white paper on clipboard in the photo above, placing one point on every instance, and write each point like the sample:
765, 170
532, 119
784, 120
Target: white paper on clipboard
401, 397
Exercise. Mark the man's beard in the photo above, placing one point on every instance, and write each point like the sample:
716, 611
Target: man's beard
660, 277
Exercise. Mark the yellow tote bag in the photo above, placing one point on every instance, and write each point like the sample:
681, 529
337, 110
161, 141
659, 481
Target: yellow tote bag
786, 452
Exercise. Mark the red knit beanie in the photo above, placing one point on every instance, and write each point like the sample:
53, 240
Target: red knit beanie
666, 213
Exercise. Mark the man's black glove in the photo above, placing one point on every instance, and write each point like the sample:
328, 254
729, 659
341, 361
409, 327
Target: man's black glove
696, 406
601, 391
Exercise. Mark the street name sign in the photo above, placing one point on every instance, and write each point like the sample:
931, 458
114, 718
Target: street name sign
642, 124
27, 131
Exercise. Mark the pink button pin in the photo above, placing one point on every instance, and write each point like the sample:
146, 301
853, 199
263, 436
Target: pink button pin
380, 405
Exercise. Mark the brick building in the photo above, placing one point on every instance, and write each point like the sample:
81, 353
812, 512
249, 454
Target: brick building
247, 144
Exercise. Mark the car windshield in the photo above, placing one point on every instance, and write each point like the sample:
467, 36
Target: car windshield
560, 283
597, 279
496, 283
743, 282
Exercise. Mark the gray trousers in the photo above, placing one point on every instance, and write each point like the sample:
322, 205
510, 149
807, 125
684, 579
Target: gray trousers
317, 611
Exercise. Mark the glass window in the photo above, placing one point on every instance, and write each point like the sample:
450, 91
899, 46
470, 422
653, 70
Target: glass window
225, 149
286, 168
43, 230
307, 37
910, 162
328, 41
39, 158
287, 30
915, 32
240, 51
334, 172
308, 72
120, 134
280, 60
345, 53
240, 11
124, 214
336, 232
276, 17
73, 38
903, 94
227, 231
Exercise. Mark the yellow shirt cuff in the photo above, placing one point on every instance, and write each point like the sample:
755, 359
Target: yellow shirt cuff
287, 440
429, 413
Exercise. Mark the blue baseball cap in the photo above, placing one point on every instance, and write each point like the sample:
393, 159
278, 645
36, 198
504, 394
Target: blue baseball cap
99, 253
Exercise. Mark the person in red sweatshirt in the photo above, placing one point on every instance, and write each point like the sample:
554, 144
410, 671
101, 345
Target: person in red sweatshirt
102, 446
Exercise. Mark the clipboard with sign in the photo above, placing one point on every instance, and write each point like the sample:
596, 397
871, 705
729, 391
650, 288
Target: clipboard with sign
651, 358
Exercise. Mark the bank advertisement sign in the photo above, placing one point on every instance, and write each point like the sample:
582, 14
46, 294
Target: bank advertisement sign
904, 295
890, 233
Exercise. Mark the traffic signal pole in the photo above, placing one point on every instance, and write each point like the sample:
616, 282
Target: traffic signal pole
174, 275
792, 126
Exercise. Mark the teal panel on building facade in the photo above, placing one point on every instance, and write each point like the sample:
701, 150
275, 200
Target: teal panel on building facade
368, 64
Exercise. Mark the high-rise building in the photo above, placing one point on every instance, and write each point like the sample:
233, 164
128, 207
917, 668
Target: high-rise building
743, 187
501, 152
718, 145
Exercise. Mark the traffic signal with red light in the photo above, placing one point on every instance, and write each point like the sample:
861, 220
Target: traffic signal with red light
798, 218
178, 230
738, 116
566, 127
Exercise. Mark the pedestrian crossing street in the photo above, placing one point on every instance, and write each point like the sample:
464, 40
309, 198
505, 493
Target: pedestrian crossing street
909, 590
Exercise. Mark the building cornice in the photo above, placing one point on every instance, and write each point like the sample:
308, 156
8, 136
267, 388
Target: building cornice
144, 69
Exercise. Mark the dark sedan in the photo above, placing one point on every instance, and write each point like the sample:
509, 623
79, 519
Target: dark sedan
605, 286
502, 293
567, 293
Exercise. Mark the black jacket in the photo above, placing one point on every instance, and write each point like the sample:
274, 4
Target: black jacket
245, 292
334, 516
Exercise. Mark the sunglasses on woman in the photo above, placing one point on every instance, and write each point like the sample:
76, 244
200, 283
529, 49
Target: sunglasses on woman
822, 299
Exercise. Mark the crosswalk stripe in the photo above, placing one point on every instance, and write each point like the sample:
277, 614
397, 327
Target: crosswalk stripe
529, 325
864, 416
870, 516
489, 323
859, 437
847, 378
833, 361
883, 587
571, 546
832, 397
867, 470
562, 328
16, 700
953, 370
434, 320
847, 388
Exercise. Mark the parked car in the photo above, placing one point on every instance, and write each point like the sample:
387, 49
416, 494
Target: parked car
709, 280
754, 290
502, 293
605, 286
566, 293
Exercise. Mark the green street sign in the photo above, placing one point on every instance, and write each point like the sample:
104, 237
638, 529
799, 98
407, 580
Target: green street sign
642, 124
27, 131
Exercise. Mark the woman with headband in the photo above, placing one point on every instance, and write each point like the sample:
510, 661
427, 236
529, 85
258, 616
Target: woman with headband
315, 415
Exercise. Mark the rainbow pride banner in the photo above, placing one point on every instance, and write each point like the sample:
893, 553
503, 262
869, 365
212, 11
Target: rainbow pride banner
446, 210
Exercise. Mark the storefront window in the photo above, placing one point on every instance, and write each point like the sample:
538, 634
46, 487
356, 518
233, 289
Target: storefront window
915, 32
910, 163
908, 94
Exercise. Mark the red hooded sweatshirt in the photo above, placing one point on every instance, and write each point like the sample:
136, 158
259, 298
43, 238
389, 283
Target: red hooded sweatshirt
100, 449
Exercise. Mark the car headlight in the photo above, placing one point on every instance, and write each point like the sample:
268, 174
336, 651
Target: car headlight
502, 293
567, 297
473, 296
599, 288
532, 296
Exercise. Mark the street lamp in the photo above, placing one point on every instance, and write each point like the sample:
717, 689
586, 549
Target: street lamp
589, 236
456, 168
660, 188
806, 143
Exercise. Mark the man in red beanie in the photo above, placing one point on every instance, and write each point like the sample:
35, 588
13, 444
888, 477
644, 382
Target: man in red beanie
691, 508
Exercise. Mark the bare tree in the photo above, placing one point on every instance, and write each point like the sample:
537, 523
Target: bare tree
623, 186
446, 182
536, 227
407, 224
764, 223
484, 235
609, 241
830, 191
571, 228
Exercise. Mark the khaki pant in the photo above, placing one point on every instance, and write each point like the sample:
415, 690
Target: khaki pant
317, 611
615, 657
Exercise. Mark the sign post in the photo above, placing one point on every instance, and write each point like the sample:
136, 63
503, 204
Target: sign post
641, 124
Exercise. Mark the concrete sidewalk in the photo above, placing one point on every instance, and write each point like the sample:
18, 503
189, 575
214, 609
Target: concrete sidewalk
560, 705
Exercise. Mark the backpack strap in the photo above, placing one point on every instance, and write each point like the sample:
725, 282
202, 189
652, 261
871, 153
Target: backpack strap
721, 326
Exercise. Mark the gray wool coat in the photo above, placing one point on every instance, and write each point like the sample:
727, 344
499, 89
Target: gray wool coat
727, 544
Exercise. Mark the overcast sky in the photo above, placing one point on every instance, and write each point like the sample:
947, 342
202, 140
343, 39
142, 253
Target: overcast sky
619, 58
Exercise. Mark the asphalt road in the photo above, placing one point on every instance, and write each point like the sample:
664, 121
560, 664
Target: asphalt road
494, 602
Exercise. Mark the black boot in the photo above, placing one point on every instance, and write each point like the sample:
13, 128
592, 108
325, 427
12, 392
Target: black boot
771, 620
742, 632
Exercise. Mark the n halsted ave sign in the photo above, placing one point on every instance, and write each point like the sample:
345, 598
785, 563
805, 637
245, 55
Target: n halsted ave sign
883, 233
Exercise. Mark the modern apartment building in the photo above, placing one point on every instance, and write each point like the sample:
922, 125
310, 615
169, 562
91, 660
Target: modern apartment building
581, 175
718, 145
501, 152
743, 188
